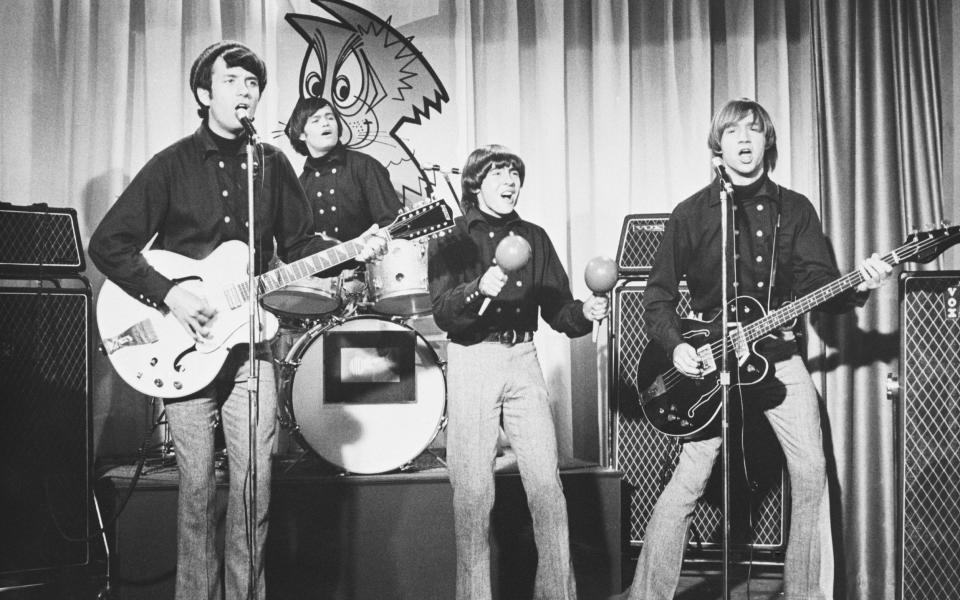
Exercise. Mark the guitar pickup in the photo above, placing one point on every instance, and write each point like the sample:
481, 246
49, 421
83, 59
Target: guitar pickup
739, 343
140, 334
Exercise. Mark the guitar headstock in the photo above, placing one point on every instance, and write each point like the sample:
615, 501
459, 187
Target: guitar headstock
924, 246
424, 221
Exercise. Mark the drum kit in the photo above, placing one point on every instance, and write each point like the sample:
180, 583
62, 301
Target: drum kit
358, 385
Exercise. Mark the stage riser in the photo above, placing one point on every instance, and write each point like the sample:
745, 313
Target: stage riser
376, 537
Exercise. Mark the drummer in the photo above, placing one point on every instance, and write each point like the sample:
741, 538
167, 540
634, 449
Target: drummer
349, 190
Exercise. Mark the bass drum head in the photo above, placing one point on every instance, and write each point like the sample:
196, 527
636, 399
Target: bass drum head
368, 395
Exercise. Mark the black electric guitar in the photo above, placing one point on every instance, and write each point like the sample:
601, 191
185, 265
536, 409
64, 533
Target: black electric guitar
152, 351
682, 406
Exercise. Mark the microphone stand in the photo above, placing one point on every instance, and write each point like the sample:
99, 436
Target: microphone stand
253, 371
726, 190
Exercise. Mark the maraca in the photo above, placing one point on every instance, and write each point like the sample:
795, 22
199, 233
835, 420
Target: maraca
512, 253
601, 276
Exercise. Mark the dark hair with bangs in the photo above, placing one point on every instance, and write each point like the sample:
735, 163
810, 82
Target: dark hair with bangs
234, 54
479, 164
305, 108
732, 112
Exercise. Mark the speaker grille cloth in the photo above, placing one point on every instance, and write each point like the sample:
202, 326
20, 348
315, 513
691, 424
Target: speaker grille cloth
930, 388
43, 427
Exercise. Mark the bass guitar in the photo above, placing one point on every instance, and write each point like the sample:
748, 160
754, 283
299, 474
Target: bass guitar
150, 349
682, 406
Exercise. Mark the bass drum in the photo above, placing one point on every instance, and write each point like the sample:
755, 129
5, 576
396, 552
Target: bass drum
367, 394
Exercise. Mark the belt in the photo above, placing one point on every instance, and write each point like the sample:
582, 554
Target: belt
509, 337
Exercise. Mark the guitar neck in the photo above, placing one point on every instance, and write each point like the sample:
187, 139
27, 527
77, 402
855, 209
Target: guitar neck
299, 269
791, 311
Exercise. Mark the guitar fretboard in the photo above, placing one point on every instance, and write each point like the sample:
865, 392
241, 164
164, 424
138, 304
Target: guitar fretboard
788, 313
295, 271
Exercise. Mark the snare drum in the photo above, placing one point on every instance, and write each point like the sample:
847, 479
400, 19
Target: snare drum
310, 297
397, 283
367, 394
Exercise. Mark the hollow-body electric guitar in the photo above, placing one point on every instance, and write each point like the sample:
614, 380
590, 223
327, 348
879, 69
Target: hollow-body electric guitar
151, 350
682, 406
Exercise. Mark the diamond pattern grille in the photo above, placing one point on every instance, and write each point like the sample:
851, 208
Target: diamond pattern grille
648, 458
639, 239
44, 427
930, 440
29, 240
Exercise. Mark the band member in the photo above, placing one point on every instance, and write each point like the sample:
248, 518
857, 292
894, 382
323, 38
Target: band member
349, 190
192, 196
493, 371
780, 252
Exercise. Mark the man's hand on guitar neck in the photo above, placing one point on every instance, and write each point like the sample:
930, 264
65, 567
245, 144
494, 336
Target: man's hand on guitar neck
193, 312
874, 271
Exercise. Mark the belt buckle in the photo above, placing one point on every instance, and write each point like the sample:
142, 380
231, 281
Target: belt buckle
503, 339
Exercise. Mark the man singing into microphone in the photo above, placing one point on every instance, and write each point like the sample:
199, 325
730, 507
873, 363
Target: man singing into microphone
779, 253
190, 198
493, 374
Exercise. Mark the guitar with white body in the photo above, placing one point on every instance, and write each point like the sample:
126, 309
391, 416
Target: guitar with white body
151, 350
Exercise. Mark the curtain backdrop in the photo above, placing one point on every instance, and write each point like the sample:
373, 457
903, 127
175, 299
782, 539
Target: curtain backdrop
609, 104
880, 164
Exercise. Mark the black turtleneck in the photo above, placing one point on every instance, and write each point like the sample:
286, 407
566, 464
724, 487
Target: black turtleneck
458, 260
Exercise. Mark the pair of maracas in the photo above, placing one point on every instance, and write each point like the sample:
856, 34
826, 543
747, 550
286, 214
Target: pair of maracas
513, 252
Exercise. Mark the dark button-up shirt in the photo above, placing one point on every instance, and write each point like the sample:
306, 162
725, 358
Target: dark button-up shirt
690, 250
458, 260
194, 198
349, 192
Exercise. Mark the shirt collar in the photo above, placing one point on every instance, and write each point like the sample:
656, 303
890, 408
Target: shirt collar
474, 216
768, 190
204, 140
336, 156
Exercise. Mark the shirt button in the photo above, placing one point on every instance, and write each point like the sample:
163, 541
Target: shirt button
491, 235
243, 166
518, 310
336, 229
736, 232
333, 208
320, 211
221, 164
334, 171
736, 284
759, 234
331, 190
759, 259
316, 173
760, 284
226, 219
519, 284
498, 309
759, 207
319, 194
224, 193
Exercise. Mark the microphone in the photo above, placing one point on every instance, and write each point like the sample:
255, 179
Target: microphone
244, 117
721, 171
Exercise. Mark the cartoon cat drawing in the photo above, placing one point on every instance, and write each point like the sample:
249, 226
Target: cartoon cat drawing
379, 82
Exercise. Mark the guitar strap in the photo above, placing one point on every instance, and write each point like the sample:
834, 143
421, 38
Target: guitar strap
773, 250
